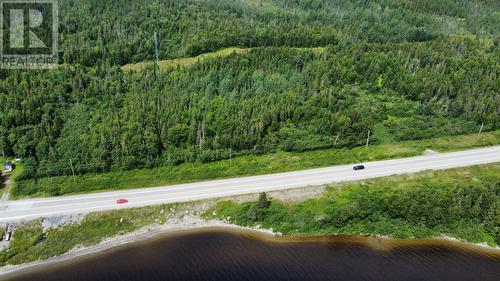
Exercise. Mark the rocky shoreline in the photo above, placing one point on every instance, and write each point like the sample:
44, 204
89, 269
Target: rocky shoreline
185, 223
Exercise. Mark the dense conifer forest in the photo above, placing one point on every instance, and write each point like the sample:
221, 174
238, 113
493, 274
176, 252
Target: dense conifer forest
403, 70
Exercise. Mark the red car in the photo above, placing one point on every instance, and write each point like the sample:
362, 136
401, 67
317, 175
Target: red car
121, 201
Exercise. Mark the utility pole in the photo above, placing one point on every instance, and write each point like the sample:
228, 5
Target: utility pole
368, 139
71, 165
157, 63
336, 139
481, 129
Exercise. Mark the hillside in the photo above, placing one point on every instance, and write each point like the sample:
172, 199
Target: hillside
121, 32
306, 75
182, 62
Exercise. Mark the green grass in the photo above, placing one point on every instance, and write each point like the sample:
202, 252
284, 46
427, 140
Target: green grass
16, 173
166, 64
28, 243
454, 143
462, 203
13, 175
241, 166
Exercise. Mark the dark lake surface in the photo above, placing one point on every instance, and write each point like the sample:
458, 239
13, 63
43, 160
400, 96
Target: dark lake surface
221, 255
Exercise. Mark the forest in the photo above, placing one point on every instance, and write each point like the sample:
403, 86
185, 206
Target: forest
117, 32
403, 70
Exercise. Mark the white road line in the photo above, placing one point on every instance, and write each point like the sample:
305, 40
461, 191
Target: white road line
35, 208
273, 184
266, 178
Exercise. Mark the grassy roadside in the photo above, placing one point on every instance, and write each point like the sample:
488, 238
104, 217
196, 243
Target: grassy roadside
244, 165
16, 173
462, 203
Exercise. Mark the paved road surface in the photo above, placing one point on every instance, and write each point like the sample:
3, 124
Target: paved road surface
35, 208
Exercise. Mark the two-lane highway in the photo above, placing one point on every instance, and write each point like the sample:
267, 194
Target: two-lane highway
36, 208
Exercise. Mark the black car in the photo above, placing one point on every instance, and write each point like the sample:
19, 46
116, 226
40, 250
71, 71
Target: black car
358, 167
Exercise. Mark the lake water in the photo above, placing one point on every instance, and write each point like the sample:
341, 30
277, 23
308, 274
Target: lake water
221, 255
